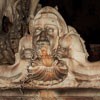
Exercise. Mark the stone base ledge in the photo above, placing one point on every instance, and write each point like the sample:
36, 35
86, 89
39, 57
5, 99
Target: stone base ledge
56, 94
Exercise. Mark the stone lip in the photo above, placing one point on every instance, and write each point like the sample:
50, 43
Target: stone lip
66, 84
54, 94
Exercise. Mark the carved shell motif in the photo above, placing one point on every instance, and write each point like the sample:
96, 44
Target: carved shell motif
46, 75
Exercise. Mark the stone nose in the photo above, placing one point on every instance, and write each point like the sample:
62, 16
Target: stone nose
43, 36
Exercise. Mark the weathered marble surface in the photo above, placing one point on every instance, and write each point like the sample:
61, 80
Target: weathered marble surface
14, 17
58, 94
52, 56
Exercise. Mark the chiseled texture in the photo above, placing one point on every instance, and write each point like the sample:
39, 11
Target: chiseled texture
52, 56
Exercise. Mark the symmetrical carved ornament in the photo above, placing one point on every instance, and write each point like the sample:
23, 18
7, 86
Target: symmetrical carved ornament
52, 56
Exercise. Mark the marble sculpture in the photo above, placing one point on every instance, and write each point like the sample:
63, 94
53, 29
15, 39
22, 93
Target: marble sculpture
53, 55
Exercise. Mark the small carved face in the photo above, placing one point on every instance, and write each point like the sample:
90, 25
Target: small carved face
27, 54
48, 67
45, 33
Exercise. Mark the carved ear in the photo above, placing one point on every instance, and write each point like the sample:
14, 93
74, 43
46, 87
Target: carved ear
56, 7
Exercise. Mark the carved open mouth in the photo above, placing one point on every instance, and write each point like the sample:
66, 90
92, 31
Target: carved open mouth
41, 44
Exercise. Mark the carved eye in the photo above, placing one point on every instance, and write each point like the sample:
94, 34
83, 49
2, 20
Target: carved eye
50, 30
38, 31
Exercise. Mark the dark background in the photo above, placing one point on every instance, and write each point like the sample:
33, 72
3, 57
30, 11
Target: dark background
83, 15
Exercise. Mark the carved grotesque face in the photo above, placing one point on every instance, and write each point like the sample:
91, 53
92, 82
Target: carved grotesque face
45, 33
46, 30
